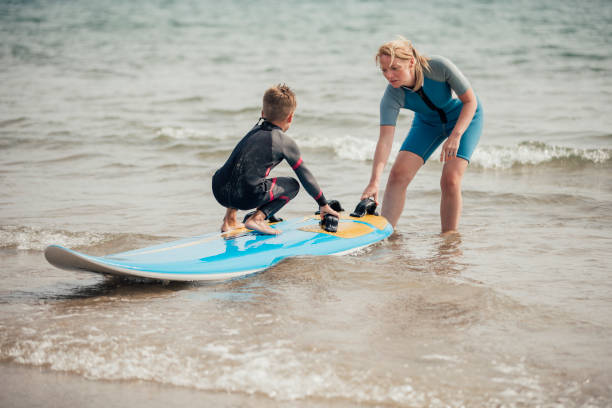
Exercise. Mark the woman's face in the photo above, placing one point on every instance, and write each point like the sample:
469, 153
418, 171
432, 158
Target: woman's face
399, 73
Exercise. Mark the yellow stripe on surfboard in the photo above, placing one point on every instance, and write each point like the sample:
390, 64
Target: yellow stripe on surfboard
375, 220
345, 229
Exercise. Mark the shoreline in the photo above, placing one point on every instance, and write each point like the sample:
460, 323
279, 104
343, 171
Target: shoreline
33, 386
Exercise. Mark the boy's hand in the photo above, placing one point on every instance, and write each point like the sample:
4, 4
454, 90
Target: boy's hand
326, 209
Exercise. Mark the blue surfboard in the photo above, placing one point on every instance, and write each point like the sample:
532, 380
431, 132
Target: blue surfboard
220, 256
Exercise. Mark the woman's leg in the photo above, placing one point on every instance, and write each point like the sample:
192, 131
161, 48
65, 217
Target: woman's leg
406, 165
452, 174
451, 202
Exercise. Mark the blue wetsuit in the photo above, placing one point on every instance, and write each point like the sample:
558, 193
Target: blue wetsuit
436, 111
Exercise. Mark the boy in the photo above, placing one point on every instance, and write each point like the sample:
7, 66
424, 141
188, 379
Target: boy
241, 183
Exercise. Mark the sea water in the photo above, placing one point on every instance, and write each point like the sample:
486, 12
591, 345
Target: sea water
114, 115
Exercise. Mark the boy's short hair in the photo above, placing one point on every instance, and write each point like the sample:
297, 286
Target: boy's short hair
278, 103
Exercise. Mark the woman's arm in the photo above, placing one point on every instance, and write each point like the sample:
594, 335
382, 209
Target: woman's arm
451, 145
381, 156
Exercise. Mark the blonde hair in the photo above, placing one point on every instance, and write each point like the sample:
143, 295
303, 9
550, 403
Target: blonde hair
278, 103
402, 49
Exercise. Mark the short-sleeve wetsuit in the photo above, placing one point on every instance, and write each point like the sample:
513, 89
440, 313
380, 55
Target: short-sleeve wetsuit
242, 184
436, 110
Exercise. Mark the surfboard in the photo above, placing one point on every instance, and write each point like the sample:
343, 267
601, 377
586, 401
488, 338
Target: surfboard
221, 256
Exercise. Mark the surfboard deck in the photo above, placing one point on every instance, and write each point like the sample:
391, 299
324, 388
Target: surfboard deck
221, 256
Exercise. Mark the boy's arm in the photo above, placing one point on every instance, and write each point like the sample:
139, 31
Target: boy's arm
307, 179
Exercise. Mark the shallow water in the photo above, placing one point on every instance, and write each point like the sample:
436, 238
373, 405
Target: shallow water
114, 117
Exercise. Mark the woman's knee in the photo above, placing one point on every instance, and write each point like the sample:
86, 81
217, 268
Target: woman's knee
451, 182
405, 168
398, 176
453, 174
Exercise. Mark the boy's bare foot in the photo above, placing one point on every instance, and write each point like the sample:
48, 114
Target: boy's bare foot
230, 221
228, 226
257, 222
262, 227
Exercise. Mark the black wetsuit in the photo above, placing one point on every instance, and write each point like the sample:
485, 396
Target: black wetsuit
242, 184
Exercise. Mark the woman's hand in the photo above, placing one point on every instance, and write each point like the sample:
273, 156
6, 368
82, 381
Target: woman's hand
449, 148
451, 145
371, 191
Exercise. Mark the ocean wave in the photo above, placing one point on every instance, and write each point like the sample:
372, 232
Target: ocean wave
345, 146
185, 100
276, 369
71, 158
582, 56
536, 154
28, 238
14, 121
170, 134
207, 145
37, 239
255, 110
486, 156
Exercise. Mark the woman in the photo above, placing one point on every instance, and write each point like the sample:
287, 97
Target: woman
424, 85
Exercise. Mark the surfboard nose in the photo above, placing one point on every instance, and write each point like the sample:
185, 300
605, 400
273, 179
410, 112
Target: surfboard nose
62, 258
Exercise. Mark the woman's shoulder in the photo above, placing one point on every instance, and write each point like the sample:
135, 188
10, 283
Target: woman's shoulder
439, 66
392, 95
439, 59
391, 92
443, 69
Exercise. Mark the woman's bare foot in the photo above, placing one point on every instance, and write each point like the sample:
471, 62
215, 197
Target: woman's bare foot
257, 222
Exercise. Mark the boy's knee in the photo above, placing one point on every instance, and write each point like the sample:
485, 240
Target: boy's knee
294, 187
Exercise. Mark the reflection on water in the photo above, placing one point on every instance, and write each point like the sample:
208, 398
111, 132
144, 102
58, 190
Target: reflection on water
430, 254
448, 259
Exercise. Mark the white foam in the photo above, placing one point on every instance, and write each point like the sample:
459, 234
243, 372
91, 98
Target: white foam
440, 357
353, 148
180, 133
275, 369
346, 146
530, 153
36, 238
